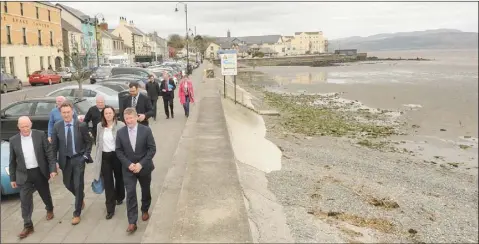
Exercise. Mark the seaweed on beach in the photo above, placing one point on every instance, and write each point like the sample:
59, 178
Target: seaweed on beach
299, 116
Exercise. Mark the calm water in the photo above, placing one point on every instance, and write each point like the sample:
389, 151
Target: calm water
446, 88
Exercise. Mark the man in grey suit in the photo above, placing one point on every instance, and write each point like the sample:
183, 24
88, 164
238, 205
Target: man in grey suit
31, 166
72, 142
135, 148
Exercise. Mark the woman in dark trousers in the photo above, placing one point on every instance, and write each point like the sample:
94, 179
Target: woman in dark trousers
107, 164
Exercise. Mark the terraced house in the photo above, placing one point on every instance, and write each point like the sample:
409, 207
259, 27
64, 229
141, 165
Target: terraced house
86, 24
30, 35
135, 38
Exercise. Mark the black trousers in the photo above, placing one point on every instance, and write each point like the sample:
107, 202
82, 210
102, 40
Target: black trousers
168, 102
130, 180
74, 181
35, 181
112, 180
153, 104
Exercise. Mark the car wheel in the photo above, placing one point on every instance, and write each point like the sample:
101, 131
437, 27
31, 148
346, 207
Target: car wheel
20, 85
4, 88
50, 82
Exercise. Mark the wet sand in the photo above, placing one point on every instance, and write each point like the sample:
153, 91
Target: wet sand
331, 189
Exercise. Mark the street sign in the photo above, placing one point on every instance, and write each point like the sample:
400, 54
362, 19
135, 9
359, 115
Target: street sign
229, 64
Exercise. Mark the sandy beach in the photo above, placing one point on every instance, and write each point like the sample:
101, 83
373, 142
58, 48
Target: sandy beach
360, 162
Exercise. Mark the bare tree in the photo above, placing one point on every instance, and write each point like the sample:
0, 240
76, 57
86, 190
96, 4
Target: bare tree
78, 63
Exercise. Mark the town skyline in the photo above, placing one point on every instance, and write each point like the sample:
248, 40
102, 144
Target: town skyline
357, 19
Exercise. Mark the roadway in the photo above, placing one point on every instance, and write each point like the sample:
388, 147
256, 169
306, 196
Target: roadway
31, 91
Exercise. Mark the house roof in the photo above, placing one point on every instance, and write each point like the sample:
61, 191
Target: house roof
252, 39
108, 34
135, 30
309, 33
68, 27
75, 12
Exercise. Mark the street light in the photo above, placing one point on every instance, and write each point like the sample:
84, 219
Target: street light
186, 25
98, 39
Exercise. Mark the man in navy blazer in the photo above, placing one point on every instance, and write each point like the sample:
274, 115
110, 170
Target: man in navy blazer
135, 148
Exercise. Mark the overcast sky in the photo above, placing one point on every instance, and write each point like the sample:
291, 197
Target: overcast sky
335, 19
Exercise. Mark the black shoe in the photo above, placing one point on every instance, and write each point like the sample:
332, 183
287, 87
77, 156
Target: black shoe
119, 202
109, 215
172, 116
167, 117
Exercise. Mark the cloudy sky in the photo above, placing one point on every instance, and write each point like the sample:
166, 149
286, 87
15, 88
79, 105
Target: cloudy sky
335, 19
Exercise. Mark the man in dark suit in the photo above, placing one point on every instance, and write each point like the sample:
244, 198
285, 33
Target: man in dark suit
153, 90
168, 93
72, 142
140, 102
135, 148
32, 164
94, 114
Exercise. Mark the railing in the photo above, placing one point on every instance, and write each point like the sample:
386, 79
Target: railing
239, 95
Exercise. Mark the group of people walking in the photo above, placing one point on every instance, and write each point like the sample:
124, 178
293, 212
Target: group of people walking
123, 157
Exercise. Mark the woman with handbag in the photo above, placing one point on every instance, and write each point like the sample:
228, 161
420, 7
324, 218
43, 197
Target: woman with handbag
108, 167
186, 94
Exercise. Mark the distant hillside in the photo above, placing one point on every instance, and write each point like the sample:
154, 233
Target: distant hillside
429, 39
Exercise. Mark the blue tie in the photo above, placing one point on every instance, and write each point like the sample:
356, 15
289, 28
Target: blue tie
69, 141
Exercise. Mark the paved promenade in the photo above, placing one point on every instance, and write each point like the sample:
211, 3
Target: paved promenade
196, 196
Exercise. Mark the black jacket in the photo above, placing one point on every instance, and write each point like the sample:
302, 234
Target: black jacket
153, 89
143, 106
169, 93
93, 115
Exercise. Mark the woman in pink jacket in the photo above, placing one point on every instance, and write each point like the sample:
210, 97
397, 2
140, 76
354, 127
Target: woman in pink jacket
185, 92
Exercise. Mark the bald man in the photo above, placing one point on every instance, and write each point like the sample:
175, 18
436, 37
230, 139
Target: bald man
32, 164
94, 114
56, 116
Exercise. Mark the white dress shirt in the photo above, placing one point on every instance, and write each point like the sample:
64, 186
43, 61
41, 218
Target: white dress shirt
132, 134
108, 140
29, 152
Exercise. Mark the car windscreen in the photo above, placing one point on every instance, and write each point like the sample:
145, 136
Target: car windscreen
83, 106
103, 71
107, 91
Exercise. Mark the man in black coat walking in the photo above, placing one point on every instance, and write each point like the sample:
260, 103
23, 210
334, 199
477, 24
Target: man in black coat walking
140, 102
168, 93
94, 115
153, 90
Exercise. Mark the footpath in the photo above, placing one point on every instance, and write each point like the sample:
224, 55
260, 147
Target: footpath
201, 199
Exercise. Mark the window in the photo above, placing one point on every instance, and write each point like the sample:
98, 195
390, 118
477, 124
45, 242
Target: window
41, 63
39, 37
51, 38
27, 65
211, 48
49, 16
37, 11
9, 35
5, 7
44, 108
49, 61
12, 65
2, 64
24, 31
64, 92
106, 91
21, 9
86, 93
19, 109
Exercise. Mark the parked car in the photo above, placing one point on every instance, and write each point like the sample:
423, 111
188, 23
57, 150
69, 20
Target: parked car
100, 74
143, 73
89, 93
44, 77
66, 73
5, 175
38, 109
107, 65
114, 85
127, 79
10, 83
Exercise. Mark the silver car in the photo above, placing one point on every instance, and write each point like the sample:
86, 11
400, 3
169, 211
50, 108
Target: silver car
66, 73
89, 93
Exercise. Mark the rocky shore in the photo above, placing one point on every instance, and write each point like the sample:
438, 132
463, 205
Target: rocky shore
346, 177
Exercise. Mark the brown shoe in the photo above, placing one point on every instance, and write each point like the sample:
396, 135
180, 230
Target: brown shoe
25, 232
75, 220
50, 215
131, 228
145, 216
83, 205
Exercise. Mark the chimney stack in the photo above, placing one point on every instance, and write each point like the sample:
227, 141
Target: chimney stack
123, 21
131, 23
104, 26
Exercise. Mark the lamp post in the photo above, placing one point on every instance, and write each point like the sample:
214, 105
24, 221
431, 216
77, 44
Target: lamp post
186, 25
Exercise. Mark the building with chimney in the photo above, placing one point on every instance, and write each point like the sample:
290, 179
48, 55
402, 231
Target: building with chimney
159, 46
135, 38
31, 33
83, 22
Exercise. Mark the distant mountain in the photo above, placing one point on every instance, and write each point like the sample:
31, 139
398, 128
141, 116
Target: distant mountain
429, 39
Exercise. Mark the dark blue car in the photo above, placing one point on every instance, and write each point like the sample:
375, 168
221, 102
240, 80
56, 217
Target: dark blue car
5, 176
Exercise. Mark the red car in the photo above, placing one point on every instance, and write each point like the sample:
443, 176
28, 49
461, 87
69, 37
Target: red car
44, 77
